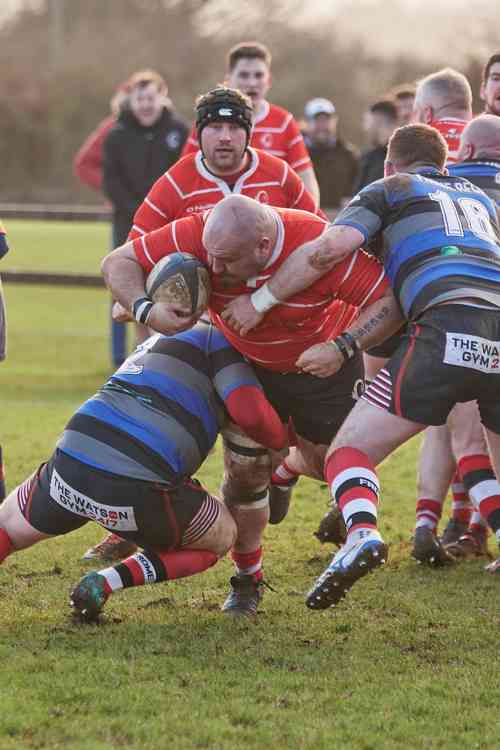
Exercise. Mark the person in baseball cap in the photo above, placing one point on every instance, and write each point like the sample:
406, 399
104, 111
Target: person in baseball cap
336, 162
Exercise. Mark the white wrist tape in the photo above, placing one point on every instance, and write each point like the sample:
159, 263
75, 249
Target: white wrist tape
263, 299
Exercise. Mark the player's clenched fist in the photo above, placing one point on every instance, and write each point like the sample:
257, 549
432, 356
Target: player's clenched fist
241, 315
170, 318
321, 360
120, 314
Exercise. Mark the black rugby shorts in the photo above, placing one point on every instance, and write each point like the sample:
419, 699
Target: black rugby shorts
450, 355
65, 494
317, 406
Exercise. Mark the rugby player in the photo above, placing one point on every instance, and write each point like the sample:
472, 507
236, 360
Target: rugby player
478, 162
126, 457
440, 246
243, 243
443, 100
275, 129
490, 86
225, 165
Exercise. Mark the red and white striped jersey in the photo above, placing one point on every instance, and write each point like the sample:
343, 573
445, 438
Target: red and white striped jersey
315, 315
276, 131
188, 188
451, 129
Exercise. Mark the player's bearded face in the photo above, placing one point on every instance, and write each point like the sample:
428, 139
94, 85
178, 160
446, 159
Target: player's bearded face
223, 145
251, 76
491, 90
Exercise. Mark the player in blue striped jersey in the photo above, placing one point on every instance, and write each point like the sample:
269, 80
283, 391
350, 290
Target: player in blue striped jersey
438, 237
126, 458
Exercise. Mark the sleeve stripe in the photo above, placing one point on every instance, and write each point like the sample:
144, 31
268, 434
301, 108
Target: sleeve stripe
299, 197
138, 229
146, 251
174, 185
174, 236
285, 174
155, 208
374, 287
295, 140
301, 162
351, 265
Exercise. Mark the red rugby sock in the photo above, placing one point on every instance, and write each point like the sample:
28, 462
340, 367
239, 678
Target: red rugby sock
248, 563
154, 566
428, 513
354, 485
461, 506
483, 488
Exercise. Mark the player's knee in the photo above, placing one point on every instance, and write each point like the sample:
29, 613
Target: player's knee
221, 535
247, 465
247, 472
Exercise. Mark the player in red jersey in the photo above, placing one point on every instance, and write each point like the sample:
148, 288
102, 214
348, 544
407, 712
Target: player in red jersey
224, 165
244, 243
275, 129
444, 101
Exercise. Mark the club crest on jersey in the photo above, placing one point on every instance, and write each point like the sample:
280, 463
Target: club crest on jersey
262, 196
266, 140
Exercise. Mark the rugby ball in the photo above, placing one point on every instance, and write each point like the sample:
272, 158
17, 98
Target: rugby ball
182, 279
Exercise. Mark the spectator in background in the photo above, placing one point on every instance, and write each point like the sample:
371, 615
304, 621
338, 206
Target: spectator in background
336, 162
490, 86
380, 121
87, 164
275, 129
87, 167
404, 97
145, 141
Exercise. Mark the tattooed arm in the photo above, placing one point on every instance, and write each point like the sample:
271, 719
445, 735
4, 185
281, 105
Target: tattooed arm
301, 269
375, 323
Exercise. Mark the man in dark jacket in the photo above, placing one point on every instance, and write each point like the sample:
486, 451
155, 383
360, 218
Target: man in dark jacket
145, 141
380, 121
335, 161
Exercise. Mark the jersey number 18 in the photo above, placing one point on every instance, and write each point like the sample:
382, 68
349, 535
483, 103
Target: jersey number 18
476, 216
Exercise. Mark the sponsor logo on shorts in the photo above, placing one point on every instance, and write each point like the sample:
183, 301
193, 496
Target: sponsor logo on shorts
116, 517
474, 352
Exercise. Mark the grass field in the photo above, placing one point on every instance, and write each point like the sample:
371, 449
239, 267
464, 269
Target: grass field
410, 660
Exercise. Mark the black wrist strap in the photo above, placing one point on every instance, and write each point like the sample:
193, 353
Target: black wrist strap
141, 309
347, 345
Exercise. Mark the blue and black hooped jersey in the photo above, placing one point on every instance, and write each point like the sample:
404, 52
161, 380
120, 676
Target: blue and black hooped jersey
438, 237
159, 415
484, 173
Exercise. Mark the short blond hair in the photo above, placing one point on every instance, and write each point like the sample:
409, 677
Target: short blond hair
448, 86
